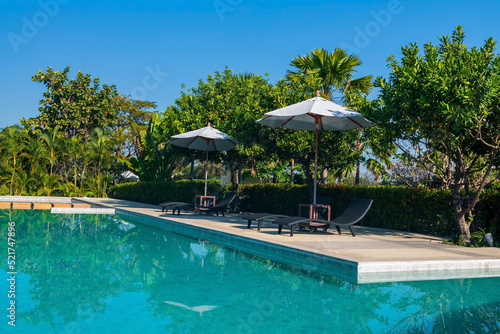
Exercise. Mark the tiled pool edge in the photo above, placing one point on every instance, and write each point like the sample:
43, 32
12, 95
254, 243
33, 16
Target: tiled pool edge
355, 272
304, 260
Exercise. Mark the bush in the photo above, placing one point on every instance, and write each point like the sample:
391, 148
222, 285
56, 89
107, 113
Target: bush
419, 210
408, 209
158, 192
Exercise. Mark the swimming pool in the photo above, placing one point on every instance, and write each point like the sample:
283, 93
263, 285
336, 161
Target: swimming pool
106, 274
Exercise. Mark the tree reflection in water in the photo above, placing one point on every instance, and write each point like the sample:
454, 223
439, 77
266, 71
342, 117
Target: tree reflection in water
80, 267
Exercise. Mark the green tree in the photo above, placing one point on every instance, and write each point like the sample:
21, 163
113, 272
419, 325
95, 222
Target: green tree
102, 158
441, 107
335, 71
231, 103
133, 117
12, 139
77, 106
336, 149
155, 160
53, 144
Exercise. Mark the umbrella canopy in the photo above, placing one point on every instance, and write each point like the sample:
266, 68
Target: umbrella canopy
129, 175
205, 139
313, 115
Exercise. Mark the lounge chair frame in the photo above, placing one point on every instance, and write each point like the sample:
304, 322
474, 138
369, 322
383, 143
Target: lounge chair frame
219, 207
354, 212
259, 217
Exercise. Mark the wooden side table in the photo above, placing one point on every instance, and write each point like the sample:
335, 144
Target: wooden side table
201, 200
314, 210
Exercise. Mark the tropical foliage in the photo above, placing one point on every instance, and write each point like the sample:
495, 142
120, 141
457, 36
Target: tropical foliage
437, 120
442, 108
76, 106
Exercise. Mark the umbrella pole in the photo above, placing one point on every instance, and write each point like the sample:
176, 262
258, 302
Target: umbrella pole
206, 171
315, 164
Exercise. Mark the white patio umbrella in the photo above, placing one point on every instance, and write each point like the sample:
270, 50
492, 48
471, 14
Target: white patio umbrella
205, 139
129, 175
313, 115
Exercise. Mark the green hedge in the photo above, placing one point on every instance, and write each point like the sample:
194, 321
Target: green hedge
158, 192
417, 210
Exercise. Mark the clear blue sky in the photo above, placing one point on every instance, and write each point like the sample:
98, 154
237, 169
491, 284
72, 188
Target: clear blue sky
148, 49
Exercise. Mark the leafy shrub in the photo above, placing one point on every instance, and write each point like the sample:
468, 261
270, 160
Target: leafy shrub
158, 192
419, 210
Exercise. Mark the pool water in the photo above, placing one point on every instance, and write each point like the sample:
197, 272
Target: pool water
104, 274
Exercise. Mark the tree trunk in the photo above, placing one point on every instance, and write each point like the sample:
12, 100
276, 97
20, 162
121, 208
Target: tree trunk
458, 214
12, 178
236, 179
356, 180
240, 174
292, 171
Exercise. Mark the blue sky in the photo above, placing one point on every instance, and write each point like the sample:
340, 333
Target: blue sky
148, 49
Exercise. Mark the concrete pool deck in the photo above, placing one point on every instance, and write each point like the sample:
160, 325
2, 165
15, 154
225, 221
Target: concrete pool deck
374, 255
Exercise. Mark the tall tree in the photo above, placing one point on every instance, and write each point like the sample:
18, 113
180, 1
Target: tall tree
155, 160
77, 106
335, 71
133, 117
231, 103
101, 156
13, 142
441, 108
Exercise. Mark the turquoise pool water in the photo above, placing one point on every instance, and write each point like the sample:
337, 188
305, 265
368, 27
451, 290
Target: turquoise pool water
104, 274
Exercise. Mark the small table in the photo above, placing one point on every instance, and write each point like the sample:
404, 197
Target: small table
314, 210
202, 200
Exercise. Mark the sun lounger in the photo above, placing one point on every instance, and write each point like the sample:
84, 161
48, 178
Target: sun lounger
259, 217
219, 207
171, 205
356, 210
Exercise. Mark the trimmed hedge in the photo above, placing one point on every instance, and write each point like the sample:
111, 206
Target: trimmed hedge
417, 210
407, 209
158, 192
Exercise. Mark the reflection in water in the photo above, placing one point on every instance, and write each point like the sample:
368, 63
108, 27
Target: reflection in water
96, 273
200, 309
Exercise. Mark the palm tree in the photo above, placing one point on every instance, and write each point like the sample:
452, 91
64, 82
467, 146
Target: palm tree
47, 184
12, 145
23, 180
52, 142
101, 148
35, 153
75, 150
335, 71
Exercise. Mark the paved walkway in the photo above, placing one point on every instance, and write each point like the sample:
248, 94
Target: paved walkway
374, 255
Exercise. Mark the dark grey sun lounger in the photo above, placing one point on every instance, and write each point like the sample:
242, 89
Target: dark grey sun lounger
356, 210
171, 205
217, 208
259, 217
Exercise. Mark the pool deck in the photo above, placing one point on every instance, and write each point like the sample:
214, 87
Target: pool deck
374, 255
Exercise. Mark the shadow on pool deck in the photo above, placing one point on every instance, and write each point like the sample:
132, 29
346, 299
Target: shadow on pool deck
374, 255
